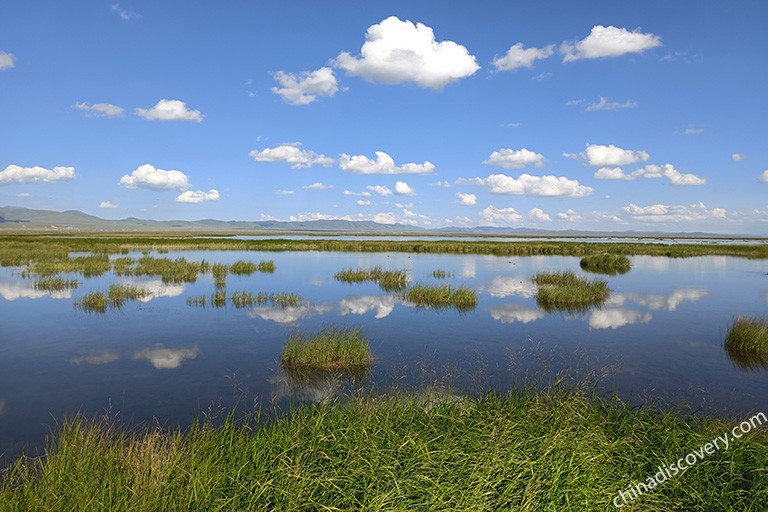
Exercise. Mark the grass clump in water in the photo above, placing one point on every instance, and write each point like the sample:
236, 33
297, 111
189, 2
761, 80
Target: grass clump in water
332, 347
747, 343
267, 266
610, 264
388, 280
565, 291
198, 301
247, 299
55, 284
94, 302
441, 274
115, 298
441, 297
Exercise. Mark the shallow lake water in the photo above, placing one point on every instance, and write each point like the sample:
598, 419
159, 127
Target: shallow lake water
658, 337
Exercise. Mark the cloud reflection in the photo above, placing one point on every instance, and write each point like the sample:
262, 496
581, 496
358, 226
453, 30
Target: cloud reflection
289, 315
361, 304
100, 358
22, 290
3, 407
655, 302
613, 318
156, 289
505, 286
510, 313
166, 358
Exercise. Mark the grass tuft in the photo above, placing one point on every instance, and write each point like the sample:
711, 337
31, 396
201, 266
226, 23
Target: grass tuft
441, 297
609, 264
55, 284
388, 280
441, 274
747, 343
565, 291
332, 347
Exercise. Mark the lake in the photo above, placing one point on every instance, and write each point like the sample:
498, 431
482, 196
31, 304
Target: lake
658, 337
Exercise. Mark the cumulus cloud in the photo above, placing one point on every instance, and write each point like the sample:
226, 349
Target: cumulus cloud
107, 204
380, 189
441, 184
500, 216
383, 164
538, 215
319, 186
520, 57
764, 177
466, 199
397, 51
198, 196
170, 110
569, 216
511, 313
362, 304
608, 42
166, 358
99, 109
599, 155
673, 213
525, 184
613, 318
738, 157
361, 202
515, 159
17, 174
385, 218
303, 89
668, 171
289, 315
605, 104
7, 60
148, 176
291, 153
403, 189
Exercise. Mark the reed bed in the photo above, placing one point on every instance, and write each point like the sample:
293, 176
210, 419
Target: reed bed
116, 297
566, 291
55, 284
246, 299
388, 280
332, 347
748, 335
610, 264
441, 297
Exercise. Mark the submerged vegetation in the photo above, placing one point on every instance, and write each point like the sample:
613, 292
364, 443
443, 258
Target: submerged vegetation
388, 280
528, 450
441, 297
441, 274
610, 264
566, 291
332, 347
747, 343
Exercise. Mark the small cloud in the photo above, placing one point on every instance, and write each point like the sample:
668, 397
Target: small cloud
605, 104
442, 184
515, 158
385, 218
569, 216
361, 202
512, 125
291, 153
148, 176
7, 61
281, 192
166, 358
764, 177
574, 103
304, 89
651, 171
359, 194
17, 174
466, 199
692, 130
738, 157
379, 189
599, 155
608, 42
99, 109
520, 57
198, 196
383, 164
95, 359
107, 204
403, 189
542, 77
125, 14
318, 186
538, 215
170, 110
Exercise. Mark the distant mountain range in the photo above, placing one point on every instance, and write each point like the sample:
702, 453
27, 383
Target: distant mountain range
17, 219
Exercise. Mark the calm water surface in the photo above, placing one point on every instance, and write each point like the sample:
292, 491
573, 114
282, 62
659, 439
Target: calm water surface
659, 336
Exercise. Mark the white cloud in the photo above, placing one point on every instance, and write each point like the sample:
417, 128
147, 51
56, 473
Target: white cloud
403, 205
608, 42
599, 155
361, 202
605, 104
107, 204
166, 358
515, 159
738, 157
385, 218
291, 152
692, 130
510, 313
500, 216
441, 184
520, 57
569, 215
198, 196
319, 186
305, 88
310, 216
380, 189
95, 359
656, 302
525, 184
764, 177
612, 173
25, 290
125, 14
403, 189
24, 194
362, 304
155, 288
537, 214
358, 194
17, 174
613, 318
651, 171
384, 164
506, 286
170, 110
674, 213
466, 199
147, 176
398, 51
282, 192
7, 60
100, 109
289, 315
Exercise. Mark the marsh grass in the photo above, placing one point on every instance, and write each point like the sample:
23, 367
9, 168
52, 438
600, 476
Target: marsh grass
219, 272
87, 266
55, 284
267, 266
198, 301
609, 264
243, 268
441, 297
441, 274
528, 450
332, 347
388, 280
566, 291
747, 343
115, 298
246, 299
93, 302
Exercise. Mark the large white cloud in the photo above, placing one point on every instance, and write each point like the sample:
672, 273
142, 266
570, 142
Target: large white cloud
673, 213
493, 216
7, 60
303, 89
515, 158
403, 189
510, 313
25, 290
613, 318
520, 57
466, 199
599, 155
397, 51
99, 109
291, 152
148, 176
198, 196
361, 304
18, 174
764, 177
608, 42
383, 164
525, 184
651, 171
170, 110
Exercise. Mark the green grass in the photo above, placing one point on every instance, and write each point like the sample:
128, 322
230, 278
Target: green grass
55, 284
610, 264
267, 266
332, 347
747, 343
94, 302
115, 298
566, 291
246, 299
441, 297
441, 274
243, 268
527, 450
388, 280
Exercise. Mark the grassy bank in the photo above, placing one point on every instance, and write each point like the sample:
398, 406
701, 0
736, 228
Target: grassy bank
528, 450
566, 291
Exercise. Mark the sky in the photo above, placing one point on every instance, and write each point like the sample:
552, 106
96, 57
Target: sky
599, 115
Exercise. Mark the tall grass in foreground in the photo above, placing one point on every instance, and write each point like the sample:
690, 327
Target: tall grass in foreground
527, 450
565, 291
388, 280
610, 264
441, 297
747, 343
332, 347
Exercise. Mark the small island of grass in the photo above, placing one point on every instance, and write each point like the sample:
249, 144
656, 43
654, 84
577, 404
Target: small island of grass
566, 291
441, 297
332, 347
747, 343
610, 264
388, 280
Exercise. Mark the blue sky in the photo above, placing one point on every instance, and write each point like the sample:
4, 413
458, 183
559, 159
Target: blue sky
549, 114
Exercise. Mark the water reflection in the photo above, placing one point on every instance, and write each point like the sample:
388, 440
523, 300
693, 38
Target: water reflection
25, 290
3, 407
510, 313
750, 361
290, 314
96, 359
362, 304
166, 358
505, 286
670, 303
613, 318
317, 385
155, 289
